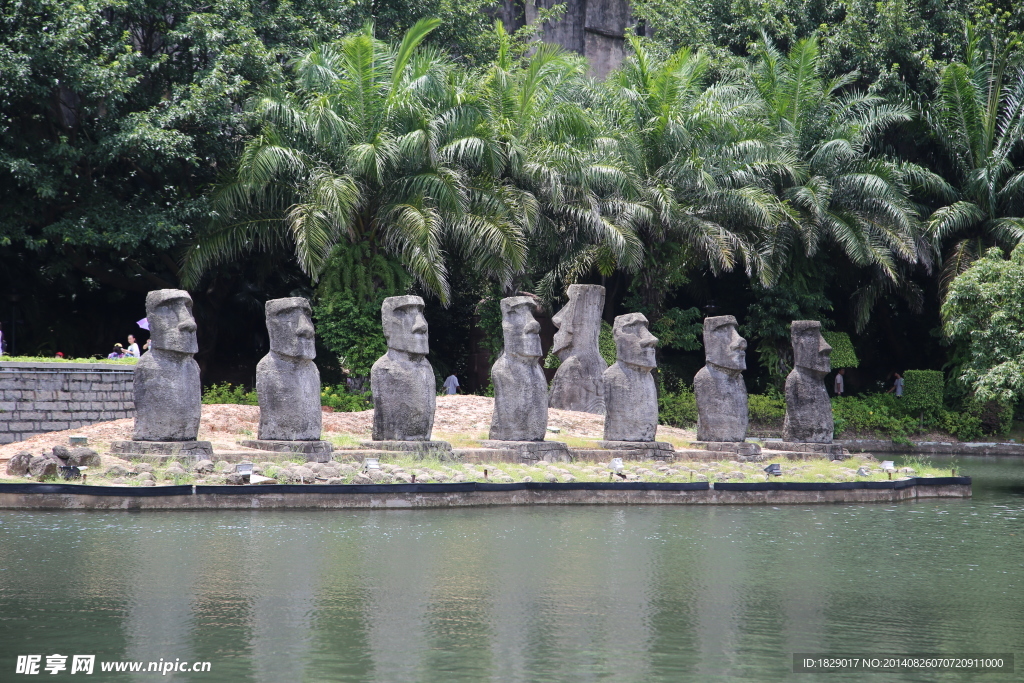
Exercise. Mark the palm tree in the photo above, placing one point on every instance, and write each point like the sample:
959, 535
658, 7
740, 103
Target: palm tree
701, 184
554, 157
978, 118
375, 146
839, 190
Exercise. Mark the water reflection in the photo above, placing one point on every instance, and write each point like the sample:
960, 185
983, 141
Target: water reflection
528, 594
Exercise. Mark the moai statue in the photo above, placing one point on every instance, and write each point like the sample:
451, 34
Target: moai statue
579, 384
631, 397
520, 387
402, 380
718, 387
288, 382
168, 394
808, 409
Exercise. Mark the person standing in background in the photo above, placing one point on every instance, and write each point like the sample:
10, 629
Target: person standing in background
897, 385
451, 384
133, 348
840, 384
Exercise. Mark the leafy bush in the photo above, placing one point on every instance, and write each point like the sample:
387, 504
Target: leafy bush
923, 391
872, 413
767, 410
342, 401
606, 343
843, 355
678, 409
229, 393
994, 417
352, 330
962, 425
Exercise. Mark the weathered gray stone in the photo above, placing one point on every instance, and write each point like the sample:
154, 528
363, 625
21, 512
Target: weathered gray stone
520, 387
640, 450
578, 384
61, 452
161, 451
743, 448
808, 409
630, 395
287, 380
84, 457
167, 388
402, 380
116, 471
718, 387
17, 466
320, 449
43, 466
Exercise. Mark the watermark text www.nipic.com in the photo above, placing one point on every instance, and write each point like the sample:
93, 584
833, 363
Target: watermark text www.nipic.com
86, 664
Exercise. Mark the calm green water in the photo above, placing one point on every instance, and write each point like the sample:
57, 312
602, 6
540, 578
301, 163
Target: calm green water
527, 594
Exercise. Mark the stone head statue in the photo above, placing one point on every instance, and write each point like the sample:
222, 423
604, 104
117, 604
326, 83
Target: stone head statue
171, 325
520, 329
723, 345
634, 344
290, 324
810, 350
579, 321
405, 328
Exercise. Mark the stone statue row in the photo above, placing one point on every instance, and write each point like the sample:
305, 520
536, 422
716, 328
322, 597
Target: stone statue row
721, 395
168, 391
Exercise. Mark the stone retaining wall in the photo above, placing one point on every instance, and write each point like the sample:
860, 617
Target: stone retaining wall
57, 497
36, 398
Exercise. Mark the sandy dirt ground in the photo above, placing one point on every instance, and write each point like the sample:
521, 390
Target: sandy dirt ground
224, 424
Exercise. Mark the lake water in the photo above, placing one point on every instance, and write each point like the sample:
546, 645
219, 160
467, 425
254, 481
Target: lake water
520, 594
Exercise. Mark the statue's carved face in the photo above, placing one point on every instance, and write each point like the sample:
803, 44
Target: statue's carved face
171, 325
404, 325
290, 324
634, 343
520, 329
579, 321
723, 345
810, 350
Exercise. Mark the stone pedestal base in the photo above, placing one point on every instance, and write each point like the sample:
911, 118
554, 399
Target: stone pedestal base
437, 449
832, 451
315, 451
641, 450
742, 448
162, 451
534, 451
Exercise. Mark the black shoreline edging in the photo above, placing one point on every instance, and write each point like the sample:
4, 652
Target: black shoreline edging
841, 485
470, 487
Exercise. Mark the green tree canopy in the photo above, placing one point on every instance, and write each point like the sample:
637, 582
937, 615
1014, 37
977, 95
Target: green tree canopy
983, 315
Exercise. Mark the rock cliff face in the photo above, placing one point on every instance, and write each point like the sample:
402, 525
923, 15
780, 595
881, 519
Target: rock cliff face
592, 28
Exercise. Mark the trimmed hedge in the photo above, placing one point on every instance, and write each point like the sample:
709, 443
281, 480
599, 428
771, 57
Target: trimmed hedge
843, 355
923, 391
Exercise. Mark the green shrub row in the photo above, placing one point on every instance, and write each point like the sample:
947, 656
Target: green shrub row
881, 414
336, 397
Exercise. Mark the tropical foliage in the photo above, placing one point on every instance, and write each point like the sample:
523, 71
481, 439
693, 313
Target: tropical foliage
841, 161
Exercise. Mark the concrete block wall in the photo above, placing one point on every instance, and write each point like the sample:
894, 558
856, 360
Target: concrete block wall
44, 397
